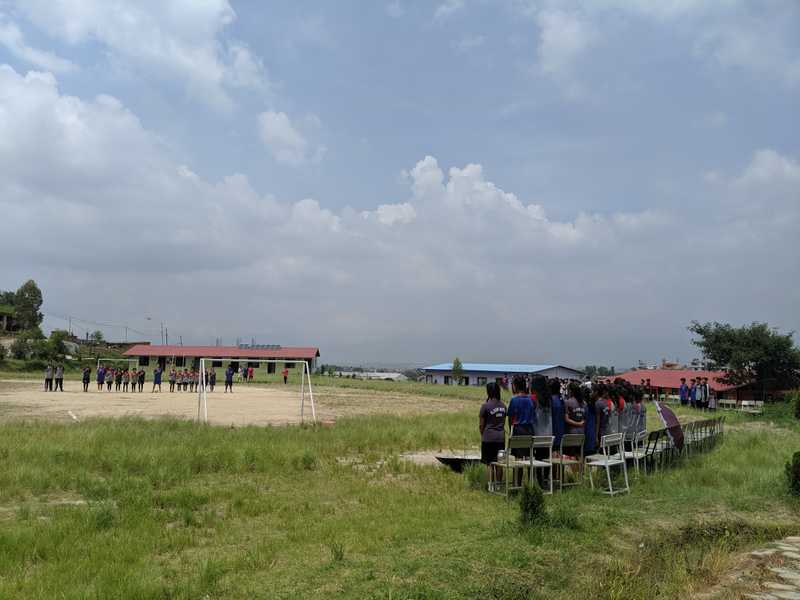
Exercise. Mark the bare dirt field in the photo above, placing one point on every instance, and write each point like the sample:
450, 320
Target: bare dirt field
248, 405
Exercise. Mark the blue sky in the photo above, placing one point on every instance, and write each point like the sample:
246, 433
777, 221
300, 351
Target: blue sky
405, 181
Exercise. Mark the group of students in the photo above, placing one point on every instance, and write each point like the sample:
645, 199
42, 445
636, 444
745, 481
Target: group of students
54, 374
549, 407
120, 379
698, 395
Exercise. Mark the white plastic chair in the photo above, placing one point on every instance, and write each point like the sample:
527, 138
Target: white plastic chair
611, 455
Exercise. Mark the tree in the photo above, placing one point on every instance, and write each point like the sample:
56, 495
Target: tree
749, 354
56, 343
27, 302
96, 336
3, 353
20, 348
7, 298
458, 370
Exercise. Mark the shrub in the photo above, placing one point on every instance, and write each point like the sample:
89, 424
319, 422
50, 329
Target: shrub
531, 505
793, 474
20, 348
476, 476
564, 517
797, 405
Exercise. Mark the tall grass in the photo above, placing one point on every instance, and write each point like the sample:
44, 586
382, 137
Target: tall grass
169, 509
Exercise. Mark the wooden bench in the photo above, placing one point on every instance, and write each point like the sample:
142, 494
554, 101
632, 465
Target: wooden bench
727, 403
752, 407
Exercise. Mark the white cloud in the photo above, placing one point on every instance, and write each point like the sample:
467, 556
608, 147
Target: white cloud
447, 9
12, 38
563, 38
285, 142
395, 9
172, 39
459, 265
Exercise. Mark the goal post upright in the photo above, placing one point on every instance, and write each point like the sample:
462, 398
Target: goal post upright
305, 380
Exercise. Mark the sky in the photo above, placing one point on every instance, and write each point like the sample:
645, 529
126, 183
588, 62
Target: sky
403, 182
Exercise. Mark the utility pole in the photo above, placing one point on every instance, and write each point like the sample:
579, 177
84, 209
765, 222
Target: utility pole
166, 336
181, 338
126, 333
162, 333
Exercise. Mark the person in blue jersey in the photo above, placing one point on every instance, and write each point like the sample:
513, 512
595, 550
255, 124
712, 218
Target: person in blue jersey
557, 410
521, 416
693, 395
229, 379
157, 379
683, 392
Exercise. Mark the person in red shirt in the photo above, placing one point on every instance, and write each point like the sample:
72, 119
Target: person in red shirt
285, 374
249, 374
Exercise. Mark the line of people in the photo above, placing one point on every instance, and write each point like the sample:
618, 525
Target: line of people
550, 407
54, 374
697, 395
119, 380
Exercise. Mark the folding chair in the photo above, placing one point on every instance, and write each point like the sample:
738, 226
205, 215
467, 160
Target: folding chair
510, 466
545, 442
574, 442
612, 452
637, 451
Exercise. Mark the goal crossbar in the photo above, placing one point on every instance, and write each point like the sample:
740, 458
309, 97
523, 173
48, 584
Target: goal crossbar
305, 379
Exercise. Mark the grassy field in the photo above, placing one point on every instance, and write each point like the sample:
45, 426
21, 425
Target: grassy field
167, 509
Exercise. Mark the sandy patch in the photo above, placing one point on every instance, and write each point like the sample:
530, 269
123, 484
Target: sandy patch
248, 405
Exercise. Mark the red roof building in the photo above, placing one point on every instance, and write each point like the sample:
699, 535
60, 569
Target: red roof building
670, 379
190, 355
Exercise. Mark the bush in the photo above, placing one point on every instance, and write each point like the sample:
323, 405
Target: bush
797, 405
531, 505
477, 477
793, 474
20, 348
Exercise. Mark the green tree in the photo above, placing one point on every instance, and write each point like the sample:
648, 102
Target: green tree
27, 302
56, 343
7, 298
20, 348
752, 353
458, 370
3, 353
96, 336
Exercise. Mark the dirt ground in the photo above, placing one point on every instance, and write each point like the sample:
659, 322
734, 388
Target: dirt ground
248, 405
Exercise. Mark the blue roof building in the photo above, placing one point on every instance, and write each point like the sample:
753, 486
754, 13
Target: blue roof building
482, 373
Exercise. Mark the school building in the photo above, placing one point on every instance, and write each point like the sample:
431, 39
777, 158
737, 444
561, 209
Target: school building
236, 356
666, 384
482, 373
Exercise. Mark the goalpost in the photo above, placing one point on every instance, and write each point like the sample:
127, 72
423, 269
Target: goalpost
305, 382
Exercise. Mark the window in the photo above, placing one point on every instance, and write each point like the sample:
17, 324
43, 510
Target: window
481, 380
428, 378
144, 361
447, 379
180, 361
465, 381
271, 367
253, 364
288, 365
216, 363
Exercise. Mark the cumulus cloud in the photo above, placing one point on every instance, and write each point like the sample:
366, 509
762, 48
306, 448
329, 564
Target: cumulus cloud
458, 266
285, 142
174, 39
12, 38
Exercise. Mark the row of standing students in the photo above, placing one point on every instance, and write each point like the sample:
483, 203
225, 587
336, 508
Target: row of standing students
550, 407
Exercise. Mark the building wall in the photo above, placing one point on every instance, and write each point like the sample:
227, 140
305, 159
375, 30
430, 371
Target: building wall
483, 377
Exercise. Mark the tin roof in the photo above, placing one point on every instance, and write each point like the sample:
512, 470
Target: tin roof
497, 367
671, 378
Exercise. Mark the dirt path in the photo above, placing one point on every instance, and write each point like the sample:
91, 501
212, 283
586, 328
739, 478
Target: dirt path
248, 405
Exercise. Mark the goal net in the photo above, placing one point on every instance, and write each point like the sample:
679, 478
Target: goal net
305, 392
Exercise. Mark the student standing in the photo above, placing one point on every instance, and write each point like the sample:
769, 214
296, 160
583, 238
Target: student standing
101, 373
711, 400
602, 413
156, 379
285, 374
228, 379
212, 379
590, 428
48, 378
110, 379
693, 394
683, 392
520, 413
87, 377
491, 424
172, 378
60, 378
126, 377
557, 409
118, 380
141, 375
574, 409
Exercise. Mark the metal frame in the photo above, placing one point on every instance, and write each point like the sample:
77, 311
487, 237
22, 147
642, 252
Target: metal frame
202, 397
